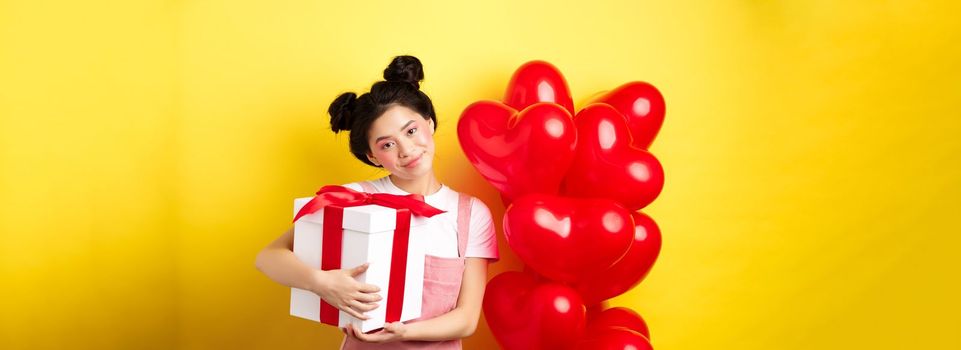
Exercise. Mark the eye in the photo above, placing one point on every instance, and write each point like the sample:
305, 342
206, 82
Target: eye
411, 131
387, 145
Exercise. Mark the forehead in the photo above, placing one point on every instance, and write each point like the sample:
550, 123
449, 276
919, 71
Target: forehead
393, 119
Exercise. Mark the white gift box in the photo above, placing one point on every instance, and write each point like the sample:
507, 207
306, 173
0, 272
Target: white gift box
368, 234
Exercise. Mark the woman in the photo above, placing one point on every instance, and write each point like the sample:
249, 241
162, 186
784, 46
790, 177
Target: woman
392, 127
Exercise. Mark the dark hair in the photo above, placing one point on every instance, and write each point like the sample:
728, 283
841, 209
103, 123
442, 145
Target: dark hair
399, 87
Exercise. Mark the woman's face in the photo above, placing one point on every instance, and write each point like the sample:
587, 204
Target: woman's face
402, 141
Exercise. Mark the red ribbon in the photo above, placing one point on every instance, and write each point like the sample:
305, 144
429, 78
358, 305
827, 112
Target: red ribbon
335, 199
344, 197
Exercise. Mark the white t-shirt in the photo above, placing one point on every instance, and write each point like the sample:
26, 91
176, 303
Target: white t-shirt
442, 228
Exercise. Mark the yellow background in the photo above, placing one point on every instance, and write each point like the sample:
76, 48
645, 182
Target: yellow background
149, 149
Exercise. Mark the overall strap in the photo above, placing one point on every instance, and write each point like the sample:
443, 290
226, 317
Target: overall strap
463, 223
367, 187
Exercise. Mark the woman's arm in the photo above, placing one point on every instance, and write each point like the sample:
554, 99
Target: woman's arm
458, 323
336, 287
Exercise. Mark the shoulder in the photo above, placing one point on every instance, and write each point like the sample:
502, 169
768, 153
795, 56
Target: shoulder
354, 186
480, 213
479, 209
474, 204
377, 184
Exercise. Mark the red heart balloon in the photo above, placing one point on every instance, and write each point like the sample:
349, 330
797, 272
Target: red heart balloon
594, 309
607, 165
518, 152
538, 81
525, 314
631, 269
617, 317
643, 106
615, 338
567, 239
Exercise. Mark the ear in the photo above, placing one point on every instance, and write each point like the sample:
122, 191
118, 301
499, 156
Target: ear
430, 123
370, 156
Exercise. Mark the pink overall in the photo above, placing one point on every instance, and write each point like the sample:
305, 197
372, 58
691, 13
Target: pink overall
442, 279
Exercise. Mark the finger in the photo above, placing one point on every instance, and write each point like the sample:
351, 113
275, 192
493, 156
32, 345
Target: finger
376, 337
362, 307
358, 334
354, 272
368, 297
369, 288
350, 311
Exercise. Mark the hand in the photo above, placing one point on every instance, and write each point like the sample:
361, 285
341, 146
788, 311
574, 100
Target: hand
340, 289
393, 331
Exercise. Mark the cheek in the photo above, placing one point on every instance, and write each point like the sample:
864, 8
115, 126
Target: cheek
387, 159
426, 139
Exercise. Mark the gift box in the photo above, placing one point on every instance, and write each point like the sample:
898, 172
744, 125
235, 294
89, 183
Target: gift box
346, 235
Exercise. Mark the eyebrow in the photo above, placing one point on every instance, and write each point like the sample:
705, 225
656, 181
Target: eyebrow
401, 129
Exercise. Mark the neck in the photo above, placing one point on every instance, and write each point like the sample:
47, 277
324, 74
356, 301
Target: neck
425, 185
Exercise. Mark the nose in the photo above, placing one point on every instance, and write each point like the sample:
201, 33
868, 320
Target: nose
404, 147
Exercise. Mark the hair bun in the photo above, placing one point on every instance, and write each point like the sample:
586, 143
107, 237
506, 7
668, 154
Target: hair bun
340, 111
405, 69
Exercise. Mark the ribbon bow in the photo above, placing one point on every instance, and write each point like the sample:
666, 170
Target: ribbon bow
345, 197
